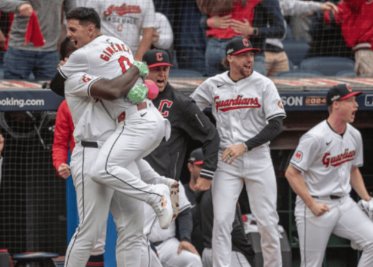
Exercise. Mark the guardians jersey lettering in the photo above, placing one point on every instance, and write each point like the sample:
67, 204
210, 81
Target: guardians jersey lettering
122, 10
335, 161
237, 103
113, 48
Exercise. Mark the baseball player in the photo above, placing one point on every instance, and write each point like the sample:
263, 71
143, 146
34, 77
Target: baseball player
108, 56
322, 170
242, 251
249, 114
173, 245
188, 123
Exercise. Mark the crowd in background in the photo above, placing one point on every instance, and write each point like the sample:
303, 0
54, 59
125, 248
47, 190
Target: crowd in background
196, 32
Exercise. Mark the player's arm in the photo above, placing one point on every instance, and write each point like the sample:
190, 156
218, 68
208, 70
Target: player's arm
357, 183
297, 183
61, 141
199, 127
123, 85
268, 133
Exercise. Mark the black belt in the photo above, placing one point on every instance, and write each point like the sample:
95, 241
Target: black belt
157, 243
89, 144
333, 197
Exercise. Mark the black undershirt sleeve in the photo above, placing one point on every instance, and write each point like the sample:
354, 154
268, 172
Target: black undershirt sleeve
269, 132
57, 84
185, 225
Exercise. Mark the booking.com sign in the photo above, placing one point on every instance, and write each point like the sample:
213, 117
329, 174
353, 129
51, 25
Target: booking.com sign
20, 103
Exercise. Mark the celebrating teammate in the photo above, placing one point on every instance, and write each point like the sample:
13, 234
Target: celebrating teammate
324, 167
249, 114
95, 117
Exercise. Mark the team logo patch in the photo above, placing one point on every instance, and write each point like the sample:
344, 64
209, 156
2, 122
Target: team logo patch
298, 156
86, 78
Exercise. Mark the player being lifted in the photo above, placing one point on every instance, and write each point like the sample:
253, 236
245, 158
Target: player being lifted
249, 113
96, 105
324, 167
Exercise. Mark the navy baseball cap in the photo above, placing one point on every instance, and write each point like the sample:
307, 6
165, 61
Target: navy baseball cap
340, 92
196, 157
157, 58
239, 45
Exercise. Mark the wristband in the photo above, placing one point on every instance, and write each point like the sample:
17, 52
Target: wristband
142, 67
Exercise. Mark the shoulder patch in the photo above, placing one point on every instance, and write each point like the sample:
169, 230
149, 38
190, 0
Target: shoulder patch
298, 156
86, 78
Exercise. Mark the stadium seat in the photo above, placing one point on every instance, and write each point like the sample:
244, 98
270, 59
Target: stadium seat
328, 66
296, 51
299, 74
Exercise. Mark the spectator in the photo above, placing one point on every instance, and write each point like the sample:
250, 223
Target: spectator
163, 36
249, 114
2, 142
275, 56
190, 41
39, 56
326, 39
255, 19
355, 19
187, 123
127, 20
242, 252
63, 141
173, 245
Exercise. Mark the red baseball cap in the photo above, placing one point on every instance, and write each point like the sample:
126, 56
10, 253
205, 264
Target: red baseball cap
196, 157
157, 58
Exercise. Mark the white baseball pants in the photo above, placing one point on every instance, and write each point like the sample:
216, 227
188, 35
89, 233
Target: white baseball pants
237, 259
255, 169
344, 219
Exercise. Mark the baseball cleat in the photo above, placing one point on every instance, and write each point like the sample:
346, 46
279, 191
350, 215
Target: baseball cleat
162, 205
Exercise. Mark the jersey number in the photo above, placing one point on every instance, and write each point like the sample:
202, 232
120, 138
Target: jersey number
124, 63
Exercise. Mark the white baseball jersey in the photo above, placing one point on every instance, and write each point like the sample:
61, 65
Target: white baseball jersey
107, 57
241, 108
91, 121
124, 19
326, 159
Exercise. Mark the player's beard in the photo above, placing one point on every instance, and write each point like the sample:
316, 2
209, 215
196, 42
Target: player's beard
246, 71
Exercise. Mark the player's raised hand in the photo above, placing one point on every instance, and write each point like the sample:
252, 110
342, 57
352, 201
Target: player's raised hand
318, 209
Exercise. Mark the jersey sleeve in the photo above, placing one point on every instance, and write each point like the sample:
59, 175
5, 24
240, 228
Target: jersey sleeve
202, 95
199, 127
79, 84
77, 62
273, 106
305, 153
